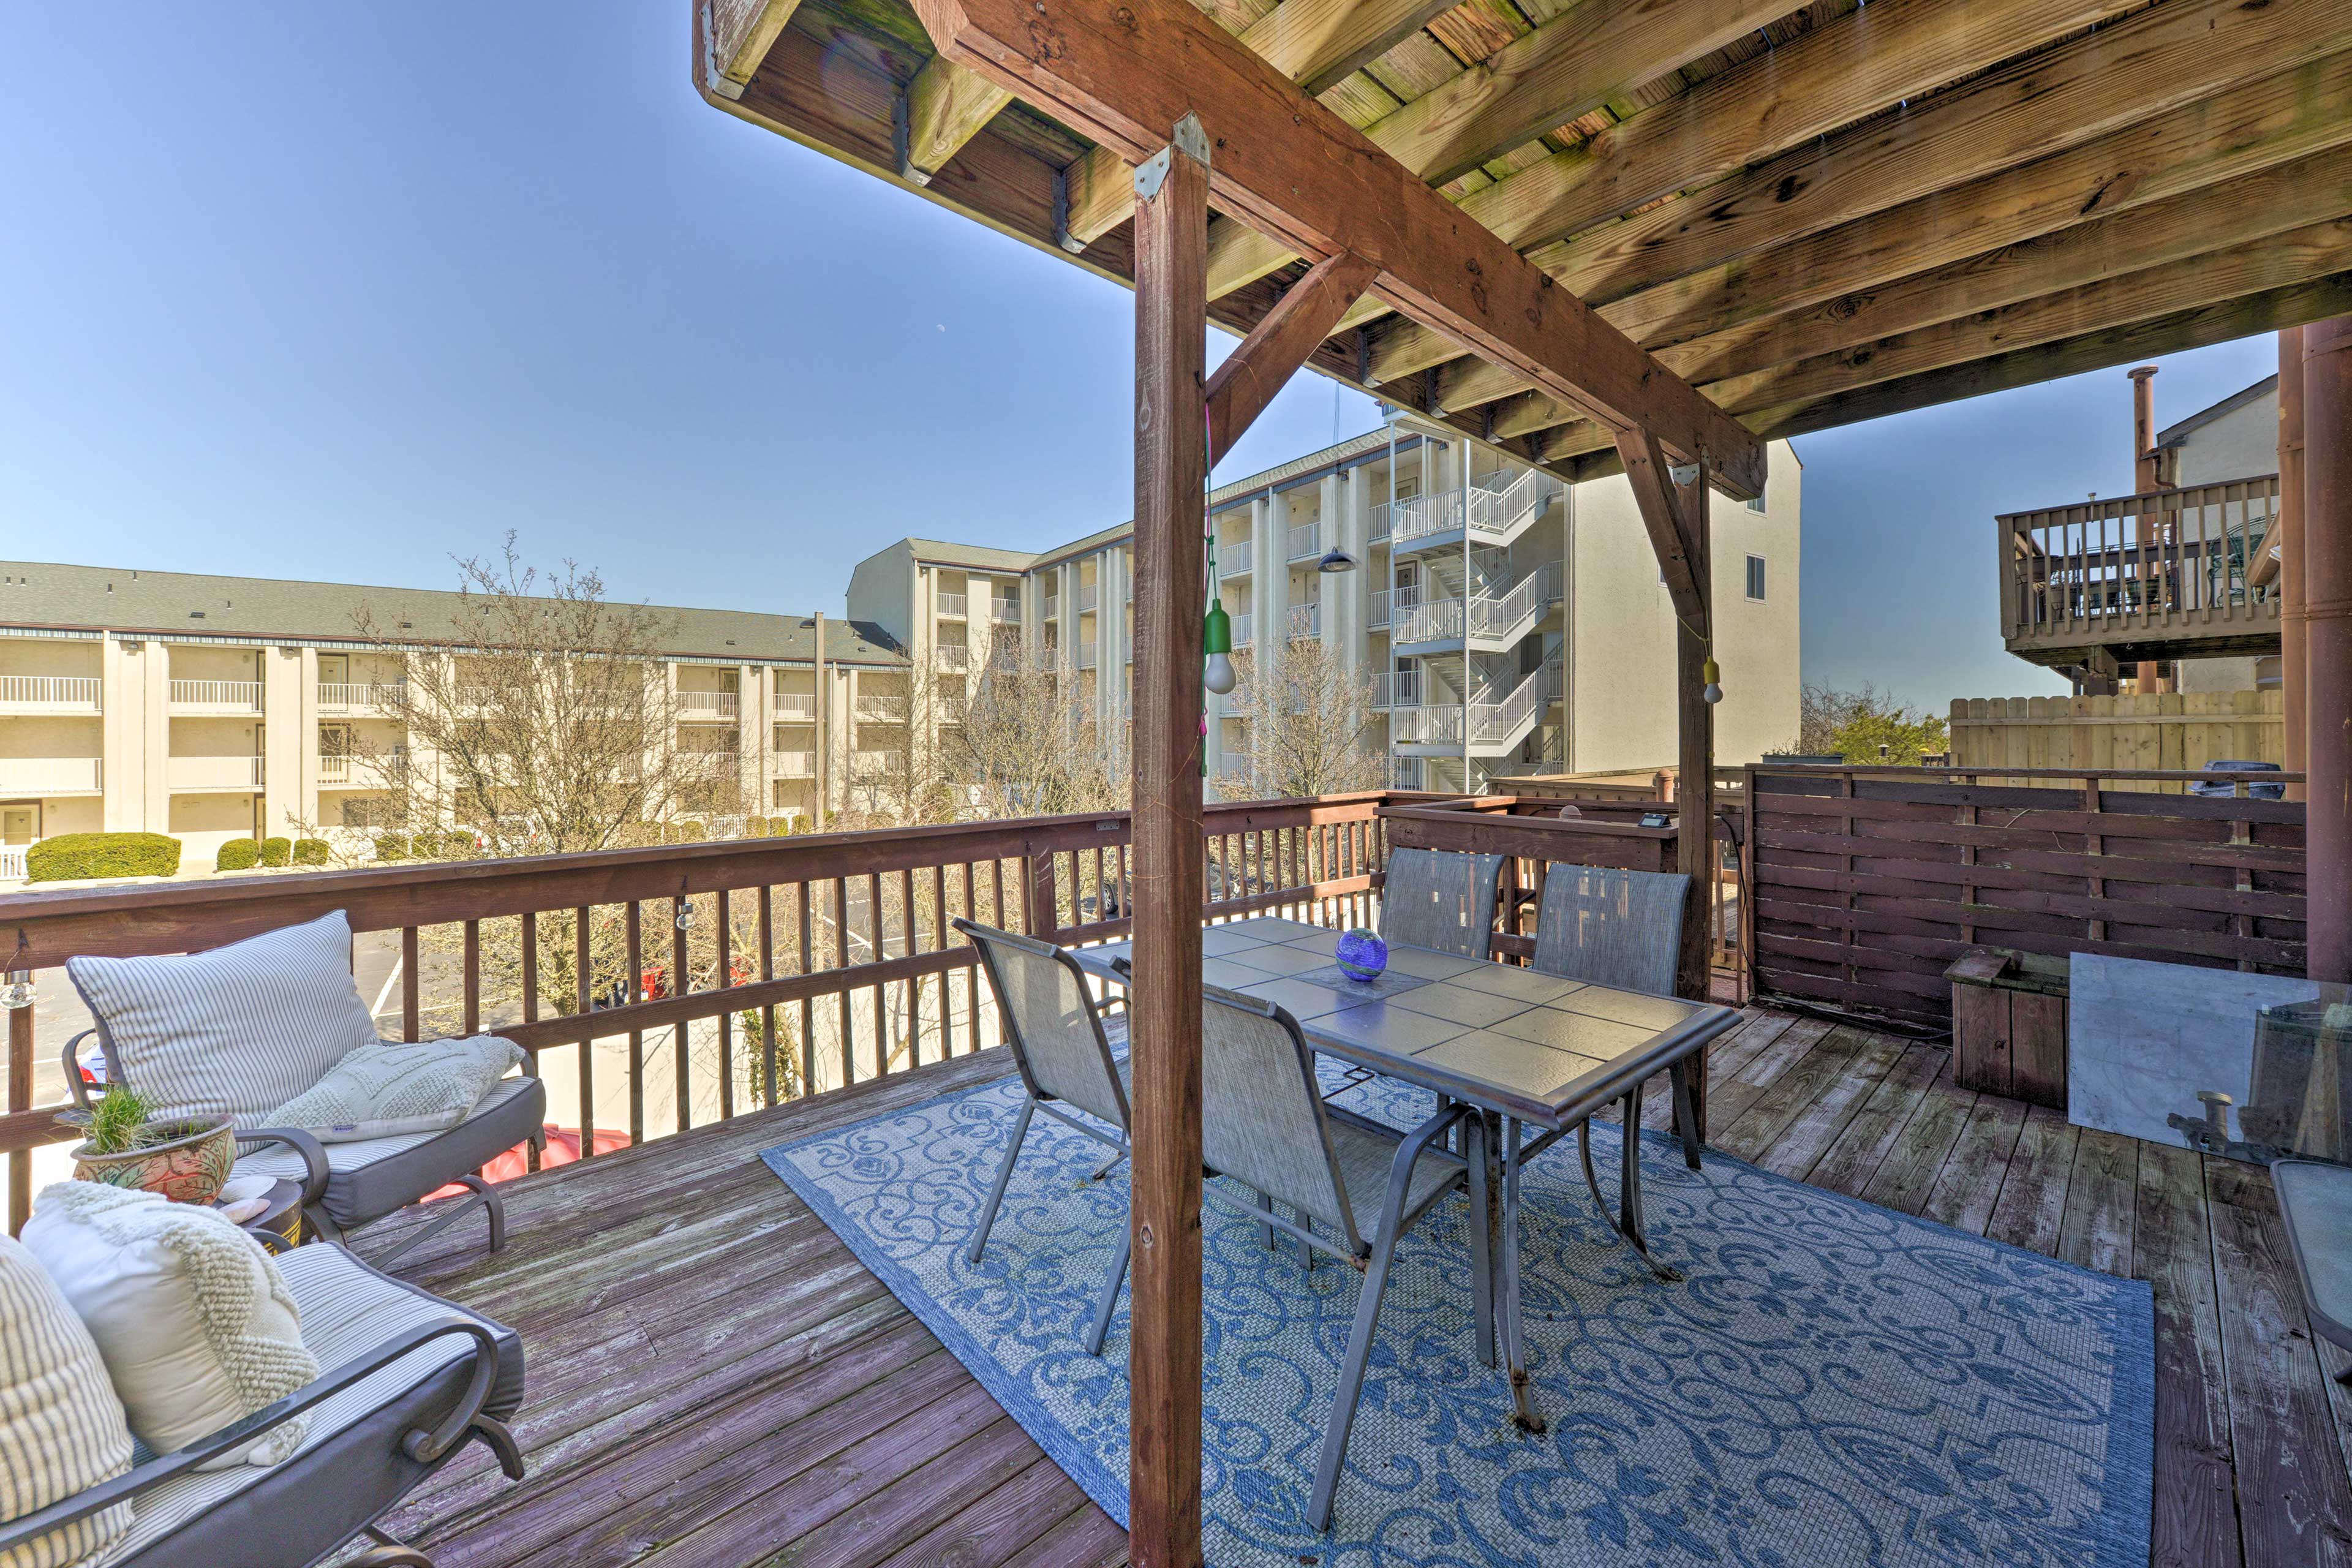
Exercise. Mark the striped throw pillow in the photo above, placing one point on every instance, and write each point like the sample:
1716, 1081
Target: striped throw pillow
61, 1427
237, 1031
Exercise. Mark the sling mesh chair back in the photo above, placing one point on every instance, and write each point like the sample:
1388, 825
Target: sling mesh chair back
1065, 1051
1611, 927
1442, 899
1265, 1124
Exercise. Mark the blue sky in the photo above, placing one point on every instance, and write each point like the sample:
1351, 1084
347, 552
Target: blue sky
342, 292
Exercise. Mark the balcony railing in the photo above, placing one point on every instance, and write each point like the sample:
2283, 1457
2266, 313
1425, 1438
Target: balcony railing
708, 707
217, 696
341, 696
1379, 614
952, 604
794, 764
213, 772
1087, 653
367, 773
1004, 609
2164, 574
1234, 564
50, 693
50, 775
1242, 629
12, 862
1085, 597
796, 706
881, 707
1305, 541
1498, 503
954, 656
1396, 689
1306, 621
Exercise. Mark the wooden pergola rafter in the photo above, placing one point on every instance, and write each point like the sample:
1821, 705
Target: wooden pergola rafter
1600, 236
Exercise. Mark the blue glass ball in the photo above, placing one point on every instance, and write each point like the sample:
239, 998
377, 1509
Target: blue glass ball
1362, 955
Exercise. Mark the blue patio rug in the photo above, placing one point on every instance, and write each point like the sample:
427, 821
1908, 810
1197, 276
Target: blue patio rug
1834, 1384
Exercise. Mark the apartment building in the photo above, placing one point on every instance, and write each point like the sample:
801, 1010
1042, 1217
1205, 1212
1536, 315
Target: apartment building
1505, 622
214, 708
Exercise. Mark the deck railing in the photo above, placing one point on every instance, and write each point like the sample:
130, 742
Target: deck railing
709, 705
2167, 566
50, 691
772, 967
232, 695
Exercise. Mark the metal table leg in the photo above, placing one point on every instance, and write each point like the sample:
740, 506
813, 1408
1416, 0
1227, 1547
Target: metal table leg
1475, 1147
1627, 1221
1507, 1306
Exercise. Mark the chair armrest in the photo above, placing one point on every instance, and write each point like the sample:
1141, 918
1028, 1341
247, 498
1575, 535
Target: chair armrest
73, 1071
420, 1444
314, 1157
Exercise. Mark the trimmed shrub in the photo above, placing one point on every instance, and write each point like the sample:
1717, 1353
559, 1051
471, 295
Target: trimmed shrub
390, 846
276, 851
72, 856
237, 854
755, 827
309, 851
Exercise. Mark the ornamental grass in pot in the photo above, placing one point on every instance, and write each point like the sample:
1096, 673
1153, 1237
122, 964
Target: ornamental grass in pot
185, 1158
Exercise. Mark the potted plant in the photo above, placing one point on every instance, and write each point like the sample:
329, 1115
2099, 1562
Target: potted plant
185, 1158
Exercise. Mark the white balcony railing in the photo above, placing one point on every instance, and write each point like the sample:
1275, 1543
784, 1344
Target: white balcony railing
1004, 609
49, 775
345, 696
1306, 620
796, 706
334, 770
1492, 721
345, 770
1396, 689
1053, 610
1498, 502
706, 707
952, 604
794, 764
1087, 653
1379, 616
954, 656
1305, 541
1085, 597
12, 862
1242, 629
881, 707
71, 693
218, 696
213, 772
1235, 564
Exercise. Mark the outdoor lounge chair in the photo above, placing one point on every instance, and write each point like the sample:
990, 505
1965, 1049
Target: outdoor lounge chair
406, 1379
1068, 1054
1441, 900
348, 1185
1263, 1124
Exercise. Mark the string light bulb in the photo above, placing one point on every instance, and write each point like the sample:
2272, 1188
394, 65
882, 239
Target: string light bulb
18, 993
1712, 674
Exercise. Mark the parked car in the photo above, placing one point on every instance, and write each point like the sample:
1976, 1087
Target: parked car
2225, 787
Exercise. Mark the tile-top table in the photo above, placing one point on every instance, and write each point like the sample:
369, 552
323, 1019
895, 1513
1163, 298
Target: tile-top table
1523, 1048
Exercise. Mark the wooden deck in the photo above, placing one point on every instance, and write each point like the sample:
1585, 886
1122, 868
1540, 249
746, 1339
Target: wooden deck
714, 1380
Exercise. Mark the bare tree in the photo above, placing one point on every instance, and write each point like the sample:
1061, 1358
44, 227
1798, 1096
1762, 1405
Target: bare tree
1030, 744
1310, 725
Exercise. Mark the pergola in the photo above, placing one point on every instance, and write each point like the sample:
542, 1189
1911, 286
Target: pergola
1646, 235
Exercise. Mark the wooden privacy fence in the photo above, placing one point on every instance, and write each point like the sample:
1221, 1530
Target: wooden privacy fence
2180, 731
1865, 883
817, 961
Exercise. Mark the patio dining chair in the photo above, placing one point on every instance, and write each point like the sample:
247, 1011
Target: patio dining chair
1071, 1058
1623, 929
1442, 899
1355, 1185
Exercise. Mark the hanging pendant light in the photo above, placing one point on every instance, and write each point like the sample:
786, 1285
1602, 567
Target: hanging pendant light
1217, 642
1712, 674
1335, 560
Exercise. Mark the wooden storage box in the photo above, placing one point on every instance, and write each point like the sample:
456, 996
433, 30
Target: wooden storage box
2009, 1024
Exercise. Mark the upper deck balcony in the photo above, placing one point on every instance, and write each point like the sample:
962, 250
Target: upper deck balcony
215, 697
51, 695
2162, 575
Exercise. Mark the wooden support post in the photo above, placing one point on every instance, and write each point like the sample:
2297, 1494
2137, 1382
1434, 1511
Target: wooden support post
1171, 226
1694, 758
2293, 673
20, 1100
2327, 642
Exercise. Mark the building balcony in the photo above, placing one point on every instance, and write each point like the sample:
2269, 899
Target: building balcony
1234, 563
361, 696
1004, 609
1087, 653
1305, 541
362, 773
792, 765
952, 604
881, 709
188, 775
47, 776
795, 707
708, 707
50, 694
1378, 616
1086, 598
215, 697
2099, 584
952, 655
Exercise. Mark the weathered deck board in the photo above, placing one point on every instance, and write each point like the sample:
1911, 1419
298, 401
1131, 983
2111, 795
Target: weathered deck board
715, 1380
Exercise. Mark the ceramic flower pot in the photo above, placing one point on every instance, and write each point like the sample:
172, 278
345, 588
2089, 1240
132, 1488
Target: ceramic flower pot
188, 1166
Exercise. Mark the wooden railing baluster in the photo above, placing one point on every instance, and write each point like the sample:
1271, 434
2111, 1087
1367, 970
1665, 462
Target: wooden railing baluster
585, 1003
409, 989
768, 1011
681, 982
472, 980
725, 980
633, 935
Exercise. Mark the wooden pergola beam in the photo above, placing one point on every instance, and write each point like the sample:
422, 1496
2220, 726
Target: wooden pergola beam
1316, 43
1290, 167
1675, 529
748, 51
946, 107
1171, 470
1590, 54
1275, 351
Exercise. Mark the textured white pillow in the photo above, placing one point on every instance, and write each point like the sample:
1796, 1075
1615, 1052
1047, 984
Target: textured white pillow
197, 1328
236, 1031
385, 1090
61, 1427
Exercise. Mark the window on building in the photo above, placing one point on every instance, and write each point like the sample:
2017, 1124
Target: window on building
1755, 577
1756, 502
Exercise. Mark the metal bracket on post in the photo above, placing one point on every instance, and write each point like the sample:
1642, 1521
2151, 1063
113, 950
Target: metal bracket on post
1682, 474
1190, 139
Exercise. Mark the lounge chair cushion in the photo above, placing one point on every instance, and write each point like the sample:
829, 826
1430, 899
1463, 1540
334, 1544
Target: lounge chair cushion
390, 1087
349, 1469
61, 1427
372, 1179
197, 1328
237, 1031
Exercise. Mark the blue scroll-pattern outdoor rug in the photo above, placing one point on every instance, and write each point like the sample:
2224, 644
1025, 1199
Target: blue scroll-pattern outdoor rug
1834, 1384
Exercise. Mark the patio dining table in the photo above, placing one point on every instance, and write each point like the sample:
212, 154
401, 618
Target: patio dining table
1524, 1050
